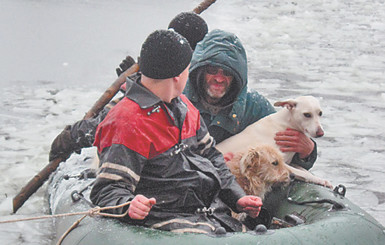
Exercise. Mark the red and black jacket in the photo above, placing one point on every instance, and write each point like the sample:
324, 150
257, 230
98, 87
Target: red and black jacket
159, 150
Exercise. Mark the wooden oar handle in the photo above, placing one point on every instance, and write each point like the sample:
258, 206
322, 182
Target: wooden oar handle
36, 182
110, 92
203, 6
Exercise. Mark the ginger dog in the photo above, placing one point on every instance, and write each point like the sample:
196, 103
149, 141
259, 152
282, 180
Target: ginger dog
258, 170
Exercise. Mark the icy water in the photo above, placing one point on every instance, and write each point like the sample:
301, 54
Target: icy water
57, 57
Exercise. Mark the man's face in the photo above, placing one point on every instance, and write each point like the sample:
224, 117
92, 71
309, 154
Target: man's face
217, 83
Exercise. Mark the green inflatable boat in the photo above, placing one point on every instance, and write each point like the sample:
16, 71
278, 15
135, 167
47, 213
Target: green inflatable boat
301, 213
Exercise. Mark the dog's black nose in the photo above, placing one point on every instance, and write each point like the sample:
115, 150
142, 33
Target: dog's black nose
292, 176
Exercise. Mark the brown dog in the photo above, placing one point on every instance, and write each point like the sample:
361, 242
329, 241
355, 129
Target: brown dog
259, 169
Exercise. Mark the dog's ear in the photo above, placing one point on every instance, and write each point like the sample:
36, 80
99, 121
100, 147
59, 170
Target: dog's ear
289, 104
255, 156
249, 160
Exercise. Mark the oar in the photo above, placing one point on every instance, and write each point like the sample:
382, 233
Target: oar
203, 6
36, 182
111, 92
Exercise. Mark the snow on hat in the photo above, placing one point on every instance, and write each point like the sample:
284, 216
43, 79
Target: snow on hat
164, 54
191, 26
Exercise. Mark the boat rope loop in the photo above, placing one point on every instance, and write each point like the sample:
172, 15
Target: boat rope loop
336, 205
78, 195
340, 189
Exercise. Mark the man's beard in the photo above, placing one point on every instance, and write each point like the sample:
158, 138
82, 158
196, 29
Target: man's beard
212, 97
215, 96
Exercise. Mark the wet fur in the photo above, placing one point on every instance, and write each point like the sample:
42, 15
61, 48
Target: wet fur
258, 170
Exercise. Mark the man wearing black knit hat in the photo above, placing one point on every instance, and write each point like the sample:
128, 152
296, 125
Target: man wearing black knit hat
189, 24
82, 133
156, 152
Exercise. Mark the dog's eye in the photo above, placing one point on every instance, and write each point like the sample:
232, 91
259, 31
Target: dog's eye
320, 113
275, 163
307, 115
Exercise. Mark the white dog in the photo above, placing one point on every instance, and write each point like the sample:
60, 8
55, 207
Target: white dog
302, 114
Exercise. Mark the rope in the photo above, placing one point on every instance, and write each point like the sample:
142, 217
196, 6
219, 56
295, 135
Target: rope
91, 212
73, 226
97, 209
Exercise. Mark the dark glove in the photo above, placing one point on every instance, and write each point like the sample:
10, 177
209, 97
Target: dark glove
63, 145
125, 64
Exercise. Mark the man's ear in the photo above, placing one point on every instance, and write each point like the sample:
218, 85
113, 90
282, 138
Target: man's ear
176, 79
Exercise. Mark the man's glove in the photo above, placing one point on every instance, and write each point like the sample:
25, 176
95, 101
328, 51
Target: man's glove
63, 145
124, 65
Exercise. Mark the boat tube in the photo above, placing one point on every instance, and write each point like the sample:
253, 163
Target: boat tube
300, 213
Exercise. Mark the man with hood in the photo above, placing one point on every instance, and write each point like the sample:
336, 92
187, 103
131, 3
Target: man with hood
217, 87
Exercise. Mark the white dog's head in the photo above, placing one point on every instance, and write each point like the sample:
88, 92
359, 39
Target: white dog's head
305, 112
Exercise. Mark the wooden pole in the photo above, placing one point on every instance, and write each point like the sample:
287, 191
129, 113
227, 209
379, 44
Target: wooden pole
203, 6
36, 182
111, 92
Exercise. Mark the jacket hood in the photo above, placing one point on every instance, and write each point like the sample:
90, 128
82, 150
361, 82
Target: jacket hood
222, 49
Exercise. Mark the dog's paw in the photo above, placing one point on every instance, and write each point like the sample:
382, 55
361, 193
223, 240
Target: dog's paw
239, 216
327, 184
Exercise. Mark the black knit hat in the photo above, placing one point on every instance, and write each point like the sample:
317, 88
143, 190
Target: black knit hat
164, 54
191, 26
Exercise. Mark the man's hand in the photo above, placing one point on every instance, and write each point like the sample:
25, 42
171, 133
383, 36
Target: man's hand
124, 65
292, 140
63, 145
140, 207
250, 205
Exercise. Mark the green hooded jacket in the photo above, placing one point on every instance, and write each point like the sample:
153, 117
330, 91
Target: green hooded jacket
239, 107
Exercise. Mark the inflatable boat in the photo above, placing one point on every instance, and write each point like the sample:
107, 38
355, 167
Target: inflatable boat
300, 213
